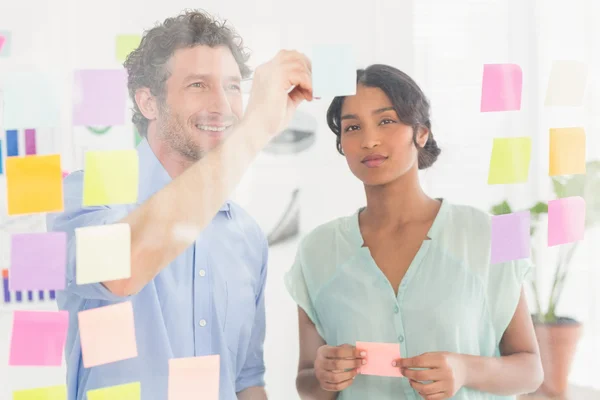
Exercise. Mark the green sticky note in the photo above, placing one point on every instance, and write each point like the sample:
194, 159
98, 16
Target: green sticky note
510, 161
110, 177
126, 44
137, 136
46, 393
128, 391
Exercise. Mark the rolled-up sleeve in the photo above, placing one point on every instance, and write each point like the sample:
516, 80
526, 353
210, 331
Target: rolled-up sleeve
76, 216
253, 371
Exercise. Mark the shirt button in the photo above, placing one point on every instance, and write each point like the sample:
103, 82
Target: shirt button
396, 310
202, 272
202, 323
401, 338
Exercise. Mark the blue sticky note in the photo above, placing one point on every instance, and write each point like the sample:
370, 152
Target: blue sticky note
1, 163
12, 143
30, 101
333, 70
5, 42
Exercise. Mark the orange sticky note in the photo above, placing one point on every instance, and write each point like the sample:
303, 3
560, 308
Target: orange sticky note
107, 334
34, 184
567, 151
379, 358
193, 375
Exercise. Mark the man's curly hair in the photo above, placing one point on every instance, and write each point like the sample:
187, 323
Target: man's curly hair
147, 65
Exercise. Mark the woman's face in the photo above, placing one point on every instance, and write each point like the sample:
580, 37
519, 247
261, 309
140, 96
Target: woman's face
378, 147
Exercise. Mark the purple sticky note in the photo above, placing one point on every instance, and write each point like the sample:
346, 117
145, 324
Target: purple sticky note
501, 87
38, 261
100, 97
30, 142
566, 220
511, 237
38, 338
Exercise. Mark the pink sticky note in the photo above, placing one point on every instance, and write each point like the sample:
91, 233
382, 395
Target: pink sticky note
193, 375
2, 40
107, 334
38, 261
100, 97
501, 88
379, 358
566, 220
38, 338
511, 237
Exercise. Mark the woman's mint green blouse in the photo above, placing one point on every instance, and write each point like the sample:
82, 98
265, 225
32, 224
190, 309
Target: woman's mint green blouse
451, 298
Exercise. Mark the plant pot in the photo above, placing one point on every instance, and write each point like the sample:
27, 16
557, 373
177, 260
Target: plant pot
558, 343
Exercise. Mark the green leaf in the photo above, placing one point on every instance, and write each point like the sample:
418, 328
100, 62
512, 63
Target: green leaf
539, 208
502, 208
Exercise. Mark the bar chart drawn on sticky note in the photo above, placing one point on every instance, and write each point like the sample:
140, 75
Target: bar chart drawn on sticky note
511, 238
38, 338
110, 177
567, 83
566, 220
379, 359
567, 151
510, 161
501, 88
333, 70
191, 375
107, 334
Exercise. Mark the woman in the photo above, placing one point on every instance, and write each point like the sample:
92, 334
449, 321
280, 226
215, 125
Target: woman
406, 269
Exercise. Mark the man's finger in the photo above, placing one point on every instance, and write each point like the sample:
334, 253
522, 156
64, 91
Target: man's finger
337, 387
341, 364
423, 374
428, 388
338, 377
346, 351
426, 360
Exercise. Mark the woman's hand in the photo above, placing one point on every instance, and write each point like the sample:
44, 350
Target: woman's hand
336, 367
444, 376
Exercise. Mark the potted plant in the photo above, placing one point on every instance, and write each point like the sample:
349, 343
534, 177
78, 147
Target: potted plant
558, 335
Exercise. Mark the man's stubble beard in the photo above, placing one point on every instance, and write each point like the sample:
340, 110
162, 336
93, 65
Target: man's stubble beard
174, 133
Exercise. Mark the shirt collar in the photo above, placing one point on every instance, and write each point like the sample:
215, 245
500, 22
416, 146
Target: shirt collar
153, 176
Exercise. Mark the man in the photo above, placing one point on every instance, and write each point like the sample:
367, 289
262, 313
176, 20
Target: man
198, 261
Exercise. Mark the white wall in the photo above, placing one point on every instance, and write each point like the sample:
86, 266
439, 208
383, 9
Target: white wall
442, 44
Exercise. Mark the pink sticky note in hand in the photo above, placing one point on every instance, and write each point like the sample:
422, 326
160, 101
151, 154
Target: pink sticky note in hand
2, 40
38, 338
107, 334
38, 261
193, 375
566, 220
379, 358
511, 237
501, 88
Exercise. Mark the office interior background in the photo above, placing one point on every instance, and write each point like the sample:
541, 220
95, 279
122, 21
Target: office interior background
300, 181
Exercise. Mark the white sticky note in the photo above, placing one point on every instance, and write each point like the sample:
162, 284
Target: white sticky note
333, 70
103, 253
566, 86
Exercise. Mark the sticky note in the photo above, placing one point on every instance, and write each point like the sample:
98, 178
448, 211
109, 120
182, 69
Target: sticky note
567, 151
192, 375
100, 97
110, 177
34, 184
137, 137
501, 88
38, 338
5, 43
30, 99
333, 70
12, 143
38, 261
567, 82
107, 334
45, 393
30, 142
125, 45
510, 160
511, 237
379, 358
103, 253
128, 391
566, 220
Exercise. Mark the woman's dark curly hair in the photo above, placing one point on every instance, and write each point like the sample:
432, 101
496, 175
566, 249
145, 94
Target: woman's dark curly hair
408, 101
147, 65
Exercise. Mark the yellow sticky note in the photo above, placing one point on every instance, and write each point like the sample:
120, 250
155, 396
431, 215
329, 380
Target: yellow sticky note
128, 391
510, 161
45, 393
567, 151
126, 44
107, 334
34, 184
103, 253
110, 177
